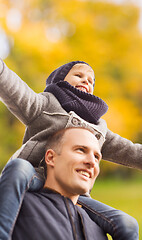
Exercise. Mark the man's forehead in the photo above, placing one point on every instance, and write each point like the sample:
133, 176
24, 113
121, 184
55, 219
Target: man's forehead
81, 136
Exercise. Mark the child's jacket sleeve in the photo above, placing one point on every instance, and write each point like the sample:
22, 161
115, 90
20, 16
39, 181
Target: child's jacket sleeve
19, 98
122, 151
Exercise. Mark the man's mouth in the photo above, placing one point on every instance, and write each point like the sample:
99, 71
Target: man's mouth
82, 88
84, 173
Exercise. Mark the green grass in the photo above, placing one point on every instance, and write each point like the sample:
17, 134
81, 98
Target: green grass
125, 195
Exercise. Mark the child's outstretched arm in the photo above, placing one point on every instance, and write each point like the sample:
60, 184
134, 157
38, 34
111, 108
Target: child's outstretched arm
41, 113
122, 151
19, 98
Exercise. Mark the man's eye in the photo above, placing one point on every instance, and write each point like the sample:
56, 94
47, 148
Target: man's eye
80, 149
97, 157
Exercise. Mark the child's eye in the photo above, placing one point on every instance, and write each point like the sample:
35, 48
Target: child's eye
77, 75
90, 81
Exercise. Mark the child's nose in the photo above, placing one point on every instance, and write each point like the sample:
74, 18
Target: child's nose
85, 80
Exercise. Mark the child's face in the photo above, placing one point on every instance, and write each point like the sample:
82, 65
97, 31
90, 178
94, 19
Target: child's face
81, 76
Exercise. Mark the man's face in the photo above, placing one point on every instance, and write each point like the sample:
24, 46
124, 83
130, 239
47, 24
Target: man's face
81, 76
77, 166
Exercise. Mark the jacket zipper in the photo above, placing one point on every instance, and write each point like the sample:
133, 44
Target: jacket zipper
70, 217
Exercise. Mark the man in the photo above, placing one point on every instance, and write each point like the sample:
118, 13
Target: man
72, 161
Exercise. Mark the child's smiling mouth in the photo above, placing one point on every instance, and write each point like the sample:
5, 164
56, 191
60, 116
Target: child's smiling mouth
82, 88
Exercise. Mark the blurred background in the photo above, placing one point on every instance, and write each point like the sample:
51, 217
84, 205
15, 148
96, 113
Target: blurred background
37, 36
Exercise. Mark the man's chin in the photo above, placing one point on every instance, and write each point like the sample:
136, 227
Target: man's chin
82, 191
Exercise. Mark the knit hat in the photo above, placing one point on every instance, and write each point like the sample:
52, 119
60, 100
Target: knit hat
60, 73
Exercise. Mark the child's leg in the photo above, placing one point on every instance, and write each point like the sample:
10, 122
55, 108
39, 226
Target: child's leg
118, 224
17, 177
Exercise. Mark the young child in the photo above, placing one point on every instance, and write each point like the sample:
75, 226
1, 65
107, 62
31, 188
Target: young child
69, 89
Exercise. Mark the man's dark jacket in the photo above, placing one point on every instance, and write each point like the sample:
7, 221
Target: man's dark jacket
47, 215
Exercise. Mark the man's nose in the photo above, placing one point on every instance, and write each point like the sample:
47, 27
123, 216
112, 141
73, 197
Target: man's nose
90, 160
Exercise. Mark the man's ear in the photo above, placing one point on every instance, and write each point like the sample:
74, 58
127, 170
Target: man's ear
49, 157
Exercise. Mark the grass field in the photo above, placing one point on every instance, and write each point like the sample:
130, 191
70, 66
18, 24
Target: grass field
125, 195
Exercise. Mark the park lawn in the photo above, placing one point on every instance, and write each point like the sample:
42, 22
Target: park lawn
125, 195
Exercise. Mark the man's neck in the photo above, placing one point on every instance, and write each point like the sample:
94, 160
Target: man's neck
72, 197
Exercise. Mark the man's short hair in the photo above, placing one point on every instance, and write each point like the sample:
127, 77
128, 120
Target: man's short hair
54, 141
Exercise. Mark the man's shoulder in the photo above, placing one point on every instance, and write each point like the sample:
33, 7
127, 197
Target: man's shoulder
40, 202
45, 195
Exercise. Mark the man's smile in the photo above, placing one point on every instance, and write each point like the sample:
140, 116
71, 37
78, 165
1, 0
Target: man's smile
85, 173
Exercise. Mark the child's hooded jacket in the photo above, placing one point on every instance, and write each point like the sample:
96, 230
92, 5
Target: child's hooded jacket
43, 114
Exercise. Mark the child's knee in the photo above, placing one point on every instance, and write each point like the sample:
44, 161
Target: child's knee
19, 167
129, 227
